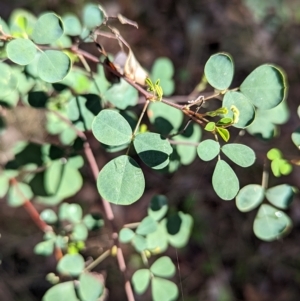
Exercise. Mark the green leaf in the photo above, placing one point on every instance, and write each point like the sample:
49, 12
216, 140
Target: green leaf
280, 196
163, 289
90, 287
249, 197
21, 51
18, 194
111, 128
245, 108
66, 289
72, 25
44, 248
157, 242
179, 229
92, 16
122, 95
8, 80
140, 280
158, 207
48, 28
271, 223
71, 264
281, 167
70, 212
152, 149
224, 133
80, 232
225, 181
163, 267
274, 153
210, 126
188, 152
265, 87
147, 226
49, 216
296, 137
53, 66
219, 71
127, 178
208, 149
240, 154
126, 235
21, 23
166, 119
139, 242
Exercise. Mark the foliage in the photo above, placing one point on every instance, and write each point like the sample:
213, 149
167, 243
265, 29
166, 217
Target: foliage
40, 69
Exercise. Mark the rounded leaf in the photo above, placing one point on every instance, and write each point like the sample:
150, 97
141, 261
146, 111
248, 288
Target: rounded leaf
65, 289
249, 197
71, 264
163, 289
70, 212
240, 154
219, 71
140, 243
163, 267
157, 242
21, 51
111, 128
121, 181
271, 223
153, 150
80, 232
126, 235
53, 66
92, 16
48, 29
140, 280
225, 181
158, 207
90, 287
243, 105
8, 80
146, 226
162, 68
296, 137
18, 194
208, 149
265, 87
49, 216
280, 196
122, 95
44, 248
72, 25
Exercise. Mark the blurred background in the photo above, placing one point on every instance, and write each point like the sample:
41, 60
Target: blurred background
223, 261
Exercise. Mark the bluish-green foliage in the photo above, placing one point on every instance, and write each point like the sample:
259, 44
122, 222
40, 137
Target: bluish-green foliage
39, 68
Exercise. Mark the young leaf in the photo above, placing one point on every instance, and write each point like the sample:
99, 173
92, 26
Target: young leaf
92, 16
249, 197
48, 29
219, 71
163, 267
8, 80
153, 150
71, 264
265, 87
224, 133
240, 154
245, 108
126, 235
121, 181
21, 51
208, 149
53, 66
147, 226
158, 207
280, 196
111, 128
65, 289
18, 194
225, 181
141, 280
163, 289
271, 223
90, 287
44, 248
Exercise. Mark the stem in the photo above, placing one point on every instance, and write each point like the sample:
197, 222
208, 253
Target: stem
131, 225
97, 260
174, 142
265, 175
